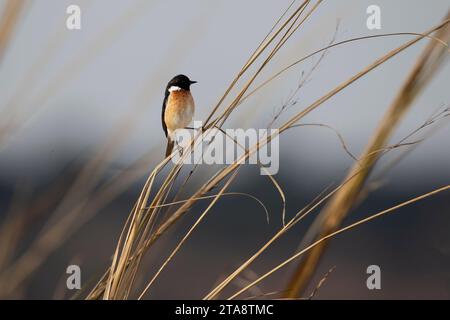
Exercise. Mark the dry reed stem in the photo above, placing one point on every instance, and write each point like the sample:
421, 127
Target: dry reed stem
213, 182
305, 79
290, 31
337, 232
339, 43
259, 50
8, 22
95, 292
340, 205
298, 117
83, 58
13, 226
224, 172
15, 105
432, 120
115, 278
298, 217
216, 198
321, 282
220, 175
301, 114
74, 210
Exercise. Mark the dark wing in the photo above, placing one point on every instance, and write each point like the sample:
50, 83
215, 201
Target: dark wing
164, 111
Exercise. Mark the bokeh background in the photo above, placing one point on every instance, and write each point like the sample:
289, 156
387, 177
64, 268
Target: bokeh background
67, 95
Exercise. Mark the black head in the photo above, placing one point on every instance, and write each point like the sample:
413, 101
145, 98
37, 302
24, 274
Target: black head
180, 81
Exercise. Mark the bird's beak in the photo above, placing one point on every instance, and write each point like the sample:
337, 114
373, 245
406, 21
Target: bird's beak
192, 82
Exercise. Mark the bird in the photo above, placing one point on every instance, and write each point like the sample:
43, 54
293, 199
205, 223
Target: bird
178, 108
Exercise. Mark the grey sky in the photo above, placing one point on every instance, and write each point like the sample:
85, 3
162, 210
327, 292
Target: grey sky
93, 77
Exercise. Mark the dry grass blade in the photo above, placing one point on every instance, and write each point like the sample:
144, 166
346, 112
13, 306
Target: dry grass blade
443, 115
216, 198
14, 109
299, 216
12, 227
321, 282
145, 225
287, 35
337, 44
260, 49
81, 202
314, 204
213, 196
11, 14
301, 114
290, 101
21, 118
428, 63
338, 134
337, 232
139, 237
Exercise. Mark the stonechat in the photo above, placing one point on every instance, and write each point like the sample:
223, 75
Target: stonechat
178, 108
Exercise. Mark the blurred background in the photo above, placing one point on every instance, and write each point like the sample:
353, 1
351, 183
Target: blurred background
80, 113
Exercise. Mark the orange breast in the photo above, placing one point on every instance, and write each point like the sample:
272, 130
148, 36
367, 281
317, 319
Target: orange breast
179, 110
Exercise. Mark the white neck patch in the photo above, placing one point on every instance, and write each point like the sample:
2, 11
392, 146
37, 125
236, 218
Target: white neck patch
174, 88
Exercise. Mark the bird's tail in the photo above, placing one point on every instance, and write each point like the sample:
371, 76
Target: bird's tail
169, 148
